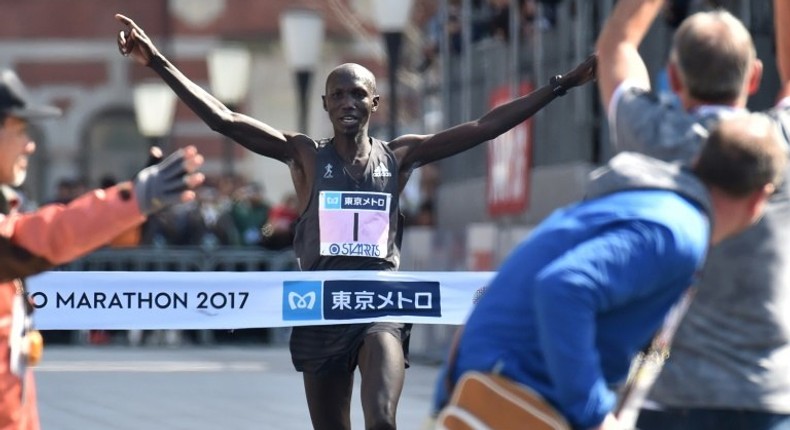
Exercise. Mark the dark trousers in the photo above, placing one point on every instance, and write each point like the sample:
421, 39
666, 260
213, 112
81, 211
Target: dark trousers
711, 419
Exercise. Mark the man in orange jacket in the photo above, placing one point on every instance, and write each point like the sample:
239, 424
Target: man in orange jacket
55, 234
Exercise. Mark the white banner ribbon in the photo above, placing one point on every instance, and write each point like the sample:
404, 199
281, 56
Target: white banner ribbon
227, 300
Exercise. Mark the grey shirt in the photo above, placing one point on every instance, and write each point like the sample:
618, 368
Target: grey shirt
732, 348
635, 171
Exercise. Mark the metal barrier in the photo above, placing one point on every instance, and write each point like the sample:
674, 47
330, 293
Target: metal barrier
184, 259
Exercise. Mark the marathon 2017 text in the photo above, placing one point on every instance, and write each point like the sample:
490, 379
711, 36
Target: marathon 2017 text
141, 300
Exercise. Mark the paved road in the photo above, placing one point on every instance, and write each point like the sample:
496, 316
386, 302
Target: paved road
191, 388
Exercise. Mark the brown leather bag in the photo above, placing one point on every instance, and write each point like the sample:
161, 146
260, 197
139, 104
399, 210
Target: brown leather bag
487, 401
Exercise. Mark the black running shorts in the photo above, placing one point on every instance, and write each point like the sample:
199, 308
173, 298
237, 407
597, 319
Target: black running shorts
335, 348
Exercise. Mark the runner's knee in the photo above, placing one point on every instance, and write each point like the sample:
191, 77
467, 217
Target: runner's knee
382, 423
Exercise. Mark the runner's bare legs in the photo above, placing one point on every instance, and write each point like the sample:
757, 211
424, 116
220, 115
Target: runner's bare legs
383, 370
381, 364
329, 400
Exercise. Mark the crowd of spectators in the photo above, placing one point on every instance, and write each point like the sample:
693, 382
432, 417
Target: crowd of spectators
488, 19
228, 211
232, 211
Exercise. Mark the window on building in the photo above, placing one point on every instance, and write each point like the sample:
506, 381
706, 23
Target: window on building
113, 148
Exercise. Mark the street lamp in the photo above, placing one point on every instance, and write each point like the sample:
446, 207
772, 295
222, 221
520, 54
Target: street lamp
391, 17
302, 34
154, 109
229, 77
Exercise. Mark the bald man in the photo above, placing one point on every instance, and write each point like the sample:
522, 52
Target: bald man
730, 362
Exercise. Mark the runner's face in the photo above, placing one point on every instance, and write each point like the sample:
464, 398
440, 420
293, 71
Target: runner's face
15, 148
349, 100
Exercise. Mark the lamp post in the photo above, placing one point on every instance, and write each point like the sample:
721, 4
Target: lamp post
154, 109
391, 17
229, 77
302, 34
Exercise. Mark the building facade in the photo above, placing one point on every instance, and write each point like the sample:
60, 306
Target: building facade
66, 53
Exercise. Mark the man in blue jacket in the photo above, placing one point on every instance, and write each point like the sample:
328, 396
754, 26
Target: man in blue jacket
574, 303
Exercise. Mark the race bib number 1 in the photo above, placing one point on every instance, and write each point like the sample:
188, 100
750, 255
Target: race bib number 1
354, 224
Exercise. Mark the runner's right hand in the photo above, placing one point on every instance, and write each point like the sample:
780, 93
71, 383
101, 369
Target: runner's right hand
133, 42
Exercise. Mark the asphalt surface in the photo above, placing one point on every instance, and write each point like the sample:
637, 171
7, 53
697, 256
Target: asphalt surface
192, 388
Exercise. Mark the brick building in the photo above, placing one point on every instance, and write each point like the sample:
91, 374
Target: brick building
66, 52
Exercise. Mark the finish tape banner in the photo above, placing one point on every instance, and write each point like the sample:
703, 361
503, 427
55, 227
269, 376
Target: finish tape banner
228, 300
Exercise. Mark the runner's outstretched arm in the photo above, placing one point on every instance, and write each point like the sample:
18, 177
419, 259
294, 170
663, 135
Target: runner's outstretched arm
249, 132
416, 150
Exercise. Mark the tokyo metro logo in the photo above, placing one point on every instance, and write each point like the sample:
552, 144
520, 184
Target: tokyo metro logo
301, 300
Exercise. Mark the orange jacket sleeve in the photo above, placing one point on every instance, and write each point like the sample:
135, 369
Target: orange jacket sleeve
61, 233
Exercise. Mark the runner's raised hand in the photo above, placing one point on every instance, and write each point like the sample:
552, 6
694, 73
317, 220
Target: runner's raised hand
133, 42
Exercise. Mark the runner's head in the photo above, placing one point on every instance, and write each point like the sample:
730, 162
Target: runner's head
350, 98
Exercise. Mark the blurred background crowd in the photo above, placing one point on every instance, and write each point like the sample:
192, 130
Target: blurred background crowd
229, 211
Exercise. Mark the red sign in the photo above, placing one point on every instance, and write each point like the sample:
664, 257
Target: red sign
509, 162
